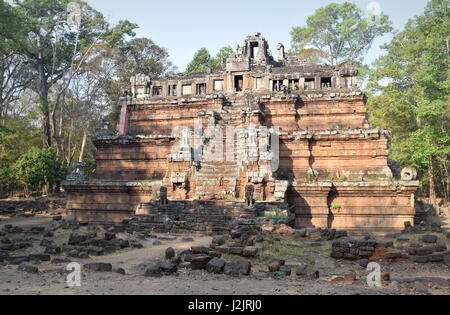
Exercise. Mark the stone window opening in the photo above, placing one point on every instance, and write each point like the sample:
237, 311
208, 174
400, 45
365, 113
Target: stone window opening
254, 49
239, 83
310, 83
277, 85
325, 83
200, 89
172, 90
157, 91
294, 85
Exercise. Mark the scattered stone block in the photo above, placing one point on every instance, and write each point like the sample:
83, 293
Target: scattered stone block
219, 240
275, 265
28, 268
237, 268
363, 263
167, 267
18, 260
436, 258
40, 257
98, 267
429, 239
120, 271
236, 250
170, 253
76, 239
215, 265
440, 247
200, 250
286, 270
58, 261
301, 270
447, 260
200, 262
153, 271
250, 252
110, 236
423, 251
420, 259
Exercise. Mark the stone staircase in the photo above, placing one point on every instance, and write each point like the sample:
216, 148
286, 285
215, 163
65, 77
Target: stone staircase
218, 177
203, 217
217, 180
232, 112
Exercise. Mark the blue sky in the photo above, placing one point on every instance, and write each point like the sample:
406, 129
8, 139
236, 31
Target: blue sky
183, 26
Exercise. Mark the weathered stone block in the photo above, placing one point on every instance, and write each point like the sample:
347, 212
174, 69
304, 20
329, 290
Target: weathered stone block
215, 265
237, 268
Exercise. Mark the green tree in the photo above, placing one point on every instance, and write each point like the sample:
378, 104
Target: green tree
142, 55
341, 31
411, 84
312, 56
39, 168
224, 53
200, 63
14, 72
56, 36
16, 137
203, 61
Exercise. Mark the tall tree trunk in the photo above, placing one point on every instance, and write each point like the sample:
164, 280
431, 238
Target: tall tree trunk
83, 146
43, 91
46, 124
2, 78
432, 199
44, 104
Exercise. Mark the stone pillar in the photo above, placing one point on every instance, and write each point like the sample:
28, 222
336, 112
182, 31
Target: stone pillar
301, 84
318, 83
124, 116
179, 89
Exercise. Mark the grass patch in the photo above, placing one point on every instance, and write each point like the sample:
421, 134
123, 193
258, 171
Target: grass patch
279, 274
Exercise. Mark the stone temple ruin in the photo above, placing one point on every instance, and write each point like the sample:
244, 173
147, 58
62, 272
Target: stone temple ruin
259, 134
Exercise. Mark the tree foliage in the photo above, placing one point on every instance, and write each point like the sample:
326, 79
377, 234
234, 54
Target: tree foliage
56, 40
411, 84
38, 168
202, 60
223, 54
58, 79
339, 30
312, 56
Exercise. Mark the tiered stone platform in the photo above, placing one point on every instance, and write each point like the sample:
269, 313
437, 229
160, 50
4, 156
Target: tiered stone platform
294, 133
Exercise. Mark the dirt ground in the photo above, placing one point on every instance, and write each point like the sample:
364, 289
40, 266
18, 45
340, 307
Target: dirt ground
406, 277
